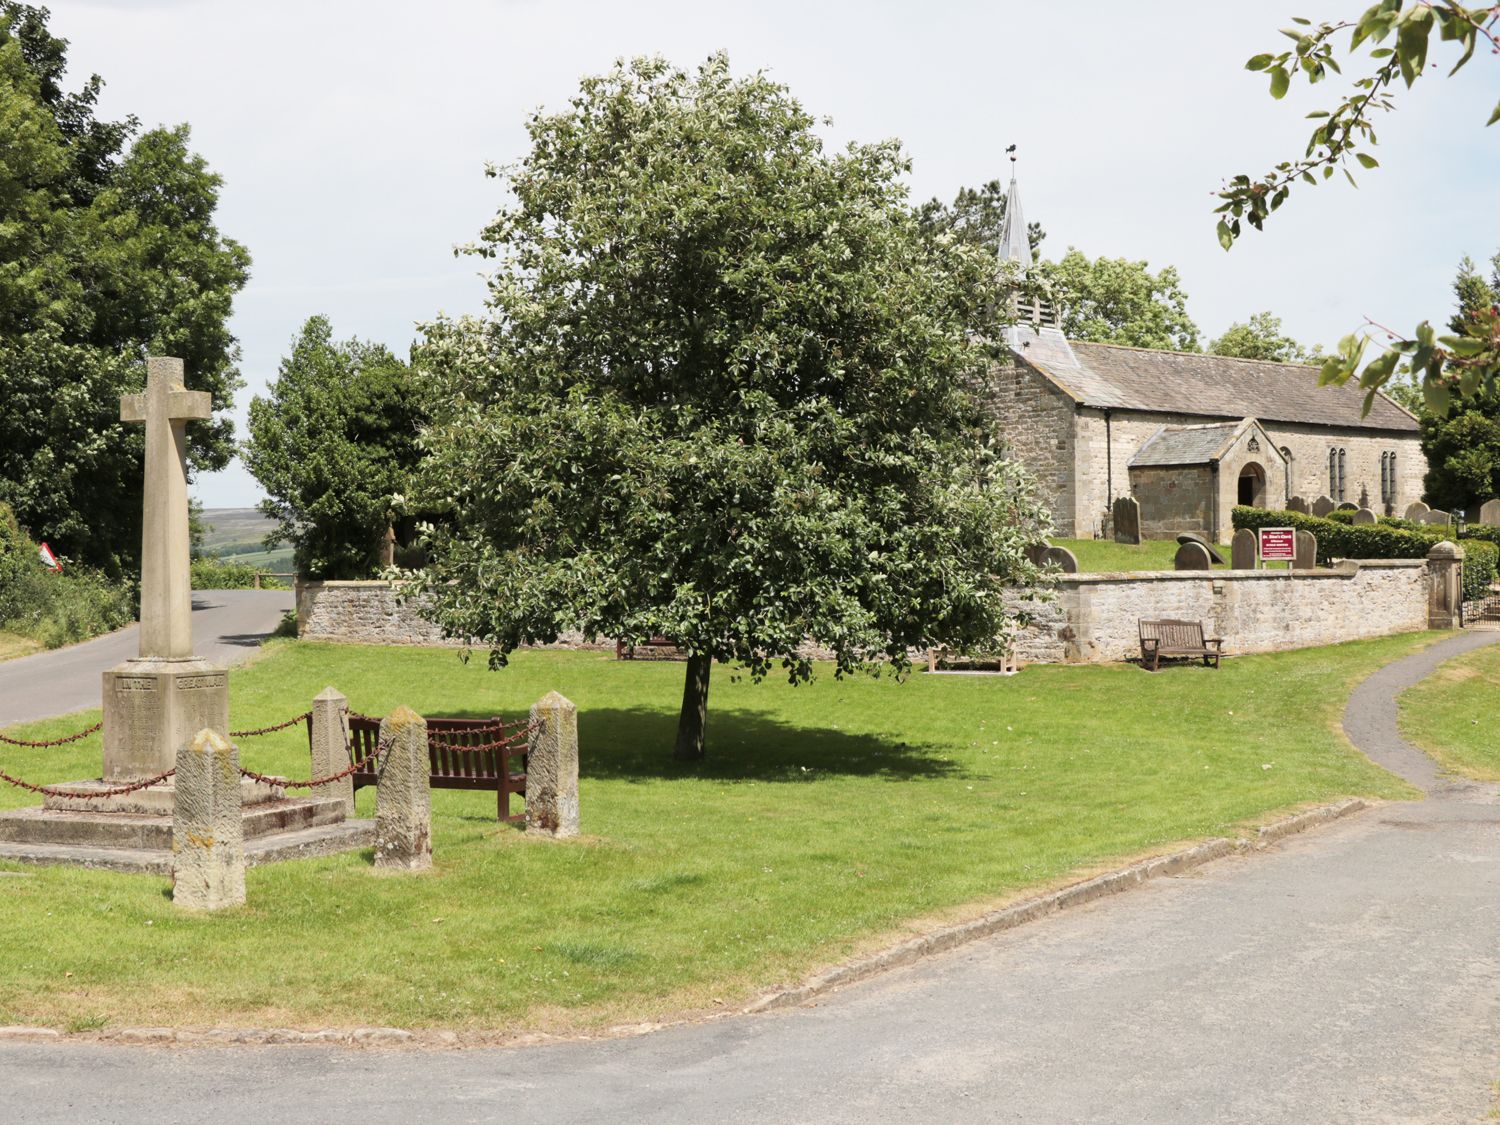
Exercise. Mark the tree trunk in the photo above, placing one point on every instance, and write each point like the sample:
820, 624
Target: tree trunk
694, 716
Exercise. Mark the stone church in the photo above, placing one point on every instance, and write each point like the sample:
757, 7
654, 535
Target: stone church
1188, 435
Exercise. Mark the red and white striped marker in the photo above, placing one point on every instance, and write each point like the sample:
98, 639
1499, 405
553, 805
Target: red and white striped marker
49, 560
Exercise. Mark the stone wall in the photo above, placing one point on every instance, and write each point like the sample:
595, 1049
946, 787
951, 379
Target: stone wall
369, 613
1094, 617
1173, 499
1035, 421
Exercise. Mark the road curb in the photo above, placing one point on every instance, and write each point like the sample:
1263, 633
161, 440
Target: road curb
1033, 909
893, 957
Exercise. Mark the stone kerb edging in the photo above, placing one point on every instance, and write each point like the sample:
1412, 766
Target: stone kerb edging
904, 953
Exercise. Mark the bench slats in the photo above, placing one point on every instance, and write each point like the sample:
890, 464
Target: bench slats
1168, 637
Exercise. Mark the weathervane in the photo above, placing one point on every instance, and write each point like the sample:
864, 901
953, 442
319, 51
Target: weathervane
1011, 152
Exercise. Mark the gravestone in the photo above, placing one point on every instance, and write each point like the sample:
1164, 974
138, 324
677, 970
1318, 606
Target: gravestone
208, 835
1322, 506
158, 702
1062, 558
552, 768
1365, 516
1192, 556
1489, 513
1298, 504
403, 795
1244, 551
1437, 516
1347, 506
1213, 553
1416, 510
1127, 520
1305, 550
1036, 553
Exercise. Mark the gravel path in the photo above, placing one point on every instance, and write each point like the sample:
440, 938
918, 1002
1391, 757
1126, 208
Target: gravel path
1348, 975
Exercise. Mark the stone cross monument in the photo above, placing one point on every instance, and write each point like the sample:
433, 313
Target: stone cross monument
162, 699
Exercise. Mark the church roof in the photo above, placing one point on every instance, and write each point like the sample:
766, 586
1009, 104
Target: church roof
1194, 445
1208, 386
1015, 245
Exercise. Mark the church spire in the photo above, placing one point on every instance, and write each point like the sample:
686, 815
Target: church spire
1014, 245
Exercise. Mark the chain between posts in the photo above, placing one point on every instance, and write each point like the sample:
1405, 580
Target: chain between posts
515, 739
314, 782
50, 742
256, 732
90, 795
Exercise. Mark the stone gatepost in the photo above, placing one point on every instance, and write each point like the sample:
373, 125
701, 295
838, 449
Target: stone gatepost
208, 843
552, 768
1445, 570
403, 804
330, 745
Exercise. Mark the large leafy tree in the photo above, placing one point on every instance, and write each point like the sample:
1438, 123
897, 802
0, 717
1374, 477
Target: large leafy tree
1260, 337
1117, 301
1398, 40
719, 396
108, 252
334, 447
1463, 445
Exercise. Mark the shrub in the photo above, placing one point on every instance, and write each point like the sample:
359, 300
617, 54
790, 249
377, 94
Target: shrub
55, 609
216, 574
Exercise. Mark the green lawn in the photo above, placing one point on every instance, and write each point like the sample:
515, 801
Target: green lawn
1451, 714
827, 818
1100, 555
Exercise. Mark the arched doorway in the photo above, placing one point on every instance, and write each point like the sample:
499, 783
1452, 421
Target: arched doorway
1253, 485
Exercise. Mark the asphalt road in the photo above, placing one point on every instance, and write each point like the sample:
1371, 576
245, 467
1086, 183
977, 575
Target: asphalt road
1350, 975
227, 627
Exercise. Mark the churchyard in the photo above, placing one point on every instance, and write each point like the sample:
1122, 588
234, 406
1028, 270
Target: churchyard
826, 819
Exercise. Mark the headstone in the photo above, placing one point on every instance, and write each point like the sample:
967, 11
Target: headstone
1365, 516
1213, 553
1437, 516
1322, 506
1298, 504
1489, 513
1192, 556
330, 746
1306, 550
552, 768
154, 705
1347, 506
1062, 558
1244, 551
1127, 519
403, 803
1036, 553
208, 841
1416, 510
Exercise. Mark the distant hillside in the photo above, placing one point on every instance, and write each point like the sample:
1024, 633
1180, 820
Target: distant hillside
239, 534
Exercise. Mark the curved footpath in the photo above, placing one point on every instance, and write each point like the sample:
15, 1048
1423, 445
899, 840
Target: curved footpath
229, 625
1348, 975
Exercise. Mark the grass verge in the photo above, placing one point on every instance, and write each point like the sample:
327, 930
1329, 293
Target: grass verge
1096, 556
1450, 714
826, 819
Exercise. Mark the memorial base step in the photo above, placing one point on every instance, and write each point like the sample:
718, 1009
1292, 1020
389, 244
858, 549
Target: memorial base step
156, 800
135, 830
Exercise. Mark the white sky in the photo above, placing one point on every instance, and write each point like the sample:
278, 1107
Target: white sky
352, 136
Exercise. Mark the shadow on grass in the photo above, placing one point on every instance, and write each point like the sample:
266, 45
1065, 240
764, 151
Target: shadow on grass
635, 744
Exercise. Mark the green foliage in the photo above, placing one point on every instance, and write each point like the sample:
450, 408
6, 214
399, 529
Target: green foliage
720, 395
106, 253
54, 609
1260, 338
217, 574
1387, 539
1449, 366
1474, 292
334, 447
1117, 301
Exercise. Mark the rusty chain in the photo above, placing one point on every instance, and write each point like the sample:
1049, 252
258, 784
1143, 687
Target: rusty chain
293, 721
315, 782
90, 795
49, 742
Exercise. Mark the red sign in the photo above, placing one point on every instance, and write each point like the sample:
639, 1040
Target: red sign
49, 560
1278, 544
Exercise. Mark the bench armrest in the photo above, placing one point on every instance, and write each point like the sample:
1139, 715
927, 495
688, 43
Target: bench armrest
1150, 643
1217, 642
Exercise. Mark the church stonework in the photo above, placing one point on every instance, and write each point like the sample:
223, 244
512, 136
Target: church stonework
1187, 435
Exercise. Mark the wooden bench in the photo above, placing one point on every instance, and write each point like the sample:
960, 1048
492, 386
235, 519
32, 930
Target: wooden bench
1177, 638
501, 769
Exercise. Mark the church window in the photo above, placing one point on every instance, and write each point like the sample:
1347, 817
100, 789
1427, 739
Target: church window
1388, 477
1336, 465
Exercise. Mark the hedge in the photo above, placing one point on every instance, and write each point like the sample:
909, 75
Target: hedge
55, 609
1388, 539
217, 574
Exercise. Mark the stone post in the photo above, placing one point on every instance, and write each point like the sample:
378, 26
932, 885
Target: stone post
552, 768
403, 804
208, 843
330, 746
1445, 569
